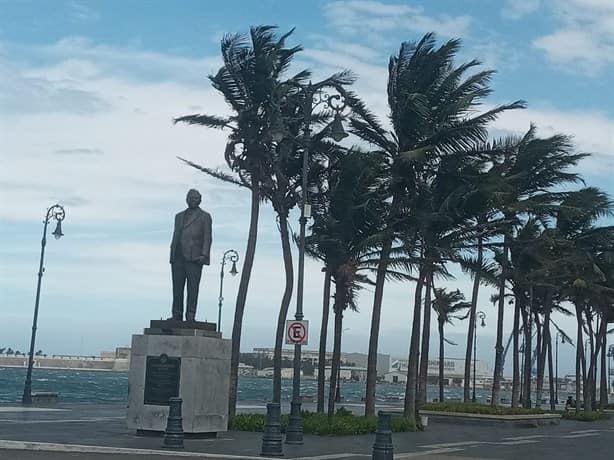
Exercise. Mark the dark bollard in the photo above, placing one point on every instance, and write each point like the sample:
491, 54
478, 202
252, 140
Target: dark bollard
382, 447
271, 437
294, 431
173, 436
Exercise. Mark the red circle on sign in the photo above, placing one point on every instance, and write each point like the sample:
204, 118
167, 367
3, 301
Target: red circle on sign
296, 332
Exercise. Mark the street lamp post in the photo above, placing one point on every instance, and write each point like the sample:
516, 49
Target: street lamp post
231, 256
610, 355
314, 96
556, 360
54, 212
482, 316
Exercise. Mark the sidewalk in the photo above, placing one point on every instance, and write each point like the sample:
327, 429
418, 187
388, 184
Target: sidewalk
90, 431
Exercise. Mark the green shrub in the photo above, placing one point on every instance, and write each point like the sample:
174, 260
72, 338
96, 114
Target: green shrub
343, 422
582, 417
474, 408
247, 422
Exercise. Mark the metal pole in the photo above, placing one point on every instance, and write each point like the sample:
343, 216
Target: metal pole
556, 378
27, 389
609, 372
475, 355
294, 431
221, 297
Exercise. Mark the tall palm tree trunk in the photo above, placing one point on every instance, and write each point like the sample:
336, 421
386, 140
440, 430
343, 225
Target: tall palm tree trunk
579, 356
237, 326
588, 385
323, 334
471, 331
409, 408
528, 351
540, 363
336, 363
603, 386
498, 371
378, 297
285, 304
441, 355
516, 355
426, 336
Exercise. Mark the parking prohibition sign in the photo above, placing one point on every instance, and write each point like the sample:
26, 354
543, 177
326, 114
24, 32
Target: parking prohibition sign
296, 332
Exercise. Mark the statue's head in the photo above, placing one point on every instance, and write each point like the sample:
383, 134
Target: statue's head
193, 198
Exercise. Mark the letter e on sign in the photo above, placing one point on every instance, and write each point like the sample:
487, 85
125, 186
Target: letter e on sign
297, 332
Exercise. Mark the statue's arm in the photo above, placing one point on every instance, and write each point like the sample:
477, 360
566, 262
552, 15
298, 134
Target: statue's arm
208, 238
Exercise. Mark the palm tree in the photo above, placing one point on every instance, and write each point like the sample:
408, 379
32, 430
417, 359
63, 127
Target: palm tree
583, 264
347, 214
323, 337
249, 81
530, 167
432, 112
447, 305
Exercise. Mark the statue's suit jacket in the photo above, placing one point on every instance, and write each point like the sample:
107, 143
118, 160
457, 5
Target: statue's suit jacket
194, 234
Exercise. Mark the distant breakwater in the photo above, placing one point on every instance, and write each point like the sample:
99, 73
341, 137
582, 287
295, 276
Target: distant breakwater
67, 362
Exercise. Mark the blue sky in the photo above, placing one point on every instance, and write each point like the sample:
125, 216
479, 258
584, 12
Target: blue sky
87, 94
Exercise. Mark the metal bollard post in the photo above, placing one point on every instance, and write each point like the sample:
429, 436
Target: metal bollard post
271, 437
382, 447
173, 436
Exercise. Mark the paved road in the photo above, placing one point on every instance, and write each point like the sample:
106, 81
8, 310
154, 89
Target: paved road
98, 432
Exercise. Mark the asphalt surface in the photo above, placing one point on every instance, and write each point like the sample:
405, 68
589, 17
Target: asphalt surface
87, 431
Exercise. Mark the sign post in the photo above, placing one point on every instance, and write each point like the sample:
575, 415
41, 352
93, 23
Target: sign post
297, 332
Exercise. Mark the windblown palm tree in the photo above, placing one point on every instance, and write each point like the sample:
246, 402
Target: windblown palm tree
447, 305
250, 81
530, 168
432, 111
346, 219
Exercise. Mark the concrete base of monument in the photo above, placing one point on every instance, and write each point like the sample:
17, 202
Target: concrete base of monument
185, 359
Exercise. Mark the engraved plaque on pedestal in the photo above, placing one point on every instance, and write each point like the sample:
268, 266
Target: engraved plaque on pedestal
162, 376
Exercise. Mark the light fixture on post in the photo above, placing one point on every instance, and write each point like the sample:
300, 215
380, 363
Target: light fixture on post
482, 317
314, 95
54, 212
232, 256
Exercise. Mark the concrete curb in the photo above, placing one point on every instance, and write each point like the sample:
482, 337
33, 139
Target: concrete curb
77, 448
528, 420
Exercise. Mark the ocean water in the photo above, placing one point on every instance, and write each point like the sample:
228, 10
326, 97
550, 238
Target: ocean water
100, 387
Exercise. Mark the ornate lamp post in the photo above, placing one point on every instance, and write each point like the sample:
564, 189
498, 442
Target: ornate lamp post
556, 360
54, 212
315, 95
482, 317
231, 256
610, 355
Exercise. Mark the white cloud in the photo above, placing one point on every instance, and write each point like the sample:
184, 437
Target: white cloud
80, 12
358, 17
516, 9
584, 37
593, 132
120, 203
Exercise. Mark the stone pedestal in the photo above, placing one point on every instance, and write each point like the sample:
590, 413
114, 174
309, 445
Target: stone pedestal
187, 358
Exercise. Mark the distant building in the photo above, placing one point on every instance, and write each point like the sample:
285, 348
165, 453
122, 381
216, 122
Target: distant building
286, 372
454, 372
357, 359
347, 373
246, 370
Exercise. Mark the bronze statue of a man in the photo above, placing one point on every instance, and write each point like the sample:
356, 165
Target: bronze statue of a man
190, 250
